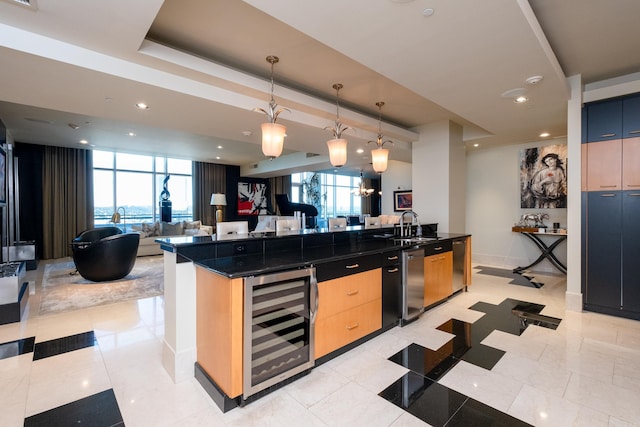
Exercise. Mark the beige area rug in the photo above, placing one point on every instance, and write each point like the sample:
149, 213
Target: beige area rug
62, 291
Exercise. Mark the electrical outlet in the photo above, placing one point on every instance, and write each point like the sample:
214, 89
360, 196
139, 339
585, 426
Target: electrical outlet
239, 249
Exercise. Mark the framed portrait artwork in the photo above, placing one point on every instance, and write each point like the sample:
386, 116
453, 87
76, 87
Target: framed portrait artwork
543, 177
402, 200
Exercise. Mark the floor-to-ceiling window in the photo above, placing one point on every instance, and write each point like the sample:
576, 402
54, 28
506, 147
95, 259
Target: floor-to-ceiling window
132, 184
335, 193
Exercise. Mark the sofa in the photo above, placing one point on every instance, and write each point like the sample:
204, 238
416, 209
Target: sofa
160, 229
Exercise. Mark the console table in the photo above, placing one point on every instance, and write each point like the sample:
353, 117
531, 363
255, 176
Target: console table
546, 250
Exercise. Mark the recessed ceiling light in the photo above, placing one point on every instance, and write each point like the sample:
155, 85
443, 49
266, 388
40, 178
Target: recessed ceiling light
131, 134
476, 145
84, 141
220, 147
217, 157
142, 106
428, 11
359, 151
521, 99
545, 134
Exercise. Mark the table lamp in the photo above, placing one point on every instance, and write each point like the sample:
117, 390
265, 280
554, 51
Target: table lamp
218, 200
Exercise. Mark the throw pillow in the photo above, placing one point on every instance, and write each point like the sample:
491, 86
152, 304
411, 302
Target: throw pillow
189, 225
149, 230
172, 229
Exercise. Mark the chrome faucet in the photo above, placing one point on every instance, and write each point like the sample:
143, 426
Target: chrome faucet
407, 232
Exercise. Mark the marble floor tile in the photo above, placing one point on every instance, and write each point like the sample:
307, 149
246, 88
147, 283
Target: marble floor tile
320, 383
163, 405
275, 409
353, 405
14, 380
482, 385
72, 375
543, 409
604, 397
552, 379
514, 344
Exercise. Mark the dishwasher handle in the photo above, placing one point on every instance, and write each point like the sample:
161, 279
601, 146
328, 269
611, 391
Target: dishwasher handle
314, 300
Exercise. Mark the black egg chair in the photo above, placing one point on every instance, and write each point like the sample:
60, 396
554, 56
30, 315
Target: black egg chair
103, 254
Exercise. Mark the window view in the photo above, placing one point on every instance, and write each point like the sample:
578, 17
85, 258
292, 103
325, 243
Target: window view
331, 194
131, 185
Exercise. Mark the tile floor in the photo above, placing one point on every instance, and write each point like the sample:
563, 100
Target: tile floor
102, 366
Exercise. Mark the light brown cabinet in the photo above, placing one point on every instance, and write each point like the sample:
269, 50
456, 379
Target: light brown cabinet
219, 319
438, 277
631, 164
604, 165
349, 308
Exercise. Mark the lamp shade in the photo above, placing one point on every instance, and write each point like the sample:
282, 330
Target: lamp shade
218, 199
379, 157
115, 218
272, 139
337, 151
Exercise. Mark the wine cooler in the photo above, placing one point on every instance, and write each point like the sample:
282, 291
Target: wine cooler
279, 319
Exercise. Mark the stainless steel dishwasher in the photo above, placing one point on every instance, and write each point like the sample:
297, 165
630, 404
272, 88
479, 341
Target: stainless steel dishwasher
412, 284
459, 246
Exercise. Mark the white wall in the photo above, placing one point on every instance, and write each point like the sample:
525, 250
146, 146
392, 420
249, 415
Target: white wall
493, 207
396, 177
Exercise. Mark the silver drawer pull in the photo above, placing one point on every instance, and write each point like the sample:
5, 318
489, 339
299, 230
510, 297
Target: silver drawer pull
353, 266
355, 325
391, 258
633, 185
608, 195
439, 248
352, 293
606, 135
634, 194
608, 186
634, 131
395, 270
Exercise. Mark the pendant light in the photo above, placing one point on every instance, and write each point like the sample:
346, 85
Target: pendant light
380, 155
337, 145
362, 190
272, 133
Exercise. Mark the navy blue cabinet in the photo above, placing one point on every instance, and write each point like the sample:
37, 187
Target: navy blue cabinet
391, 289
630, 250
631, 117
604, 120
604, 247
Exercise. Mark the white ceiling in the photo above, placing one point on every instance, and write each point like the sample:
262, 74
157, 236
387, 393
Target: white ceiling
200, 65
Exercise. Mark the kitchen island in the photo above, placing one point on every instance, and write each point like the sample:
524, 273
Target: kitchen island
205, 296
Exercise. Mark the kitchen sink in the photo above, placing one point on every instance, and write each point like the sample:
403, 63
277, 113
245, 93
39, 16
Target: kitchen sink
414, 240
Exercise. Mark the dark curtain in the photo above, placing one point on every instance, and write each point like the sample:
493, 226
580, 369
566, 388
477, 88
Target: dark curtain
67, 198
279, 185
208, 178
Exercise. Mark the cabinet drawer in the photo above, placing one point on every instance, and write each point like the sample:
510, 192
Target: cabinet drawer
438, 248
342, 294
438, 277
390, 258
345, 267
343, 328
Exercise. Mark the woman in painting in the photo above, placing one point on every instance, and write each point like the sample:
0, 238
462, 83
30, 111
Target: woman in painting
549, 184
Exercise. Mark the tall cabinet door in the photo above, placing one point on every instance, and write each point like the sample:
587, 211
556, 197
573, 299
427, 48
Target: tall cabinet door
631, 164
631, 250
604, 120
604, 165
604, 247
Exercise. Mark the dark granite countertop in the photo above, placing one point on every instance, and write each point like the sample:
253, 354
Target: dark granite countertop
291, 258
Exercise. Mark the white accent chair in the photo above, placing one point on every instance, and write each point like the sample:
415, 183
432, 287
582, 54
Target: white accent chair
287, 224
232, 227
337, 224
372, 222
